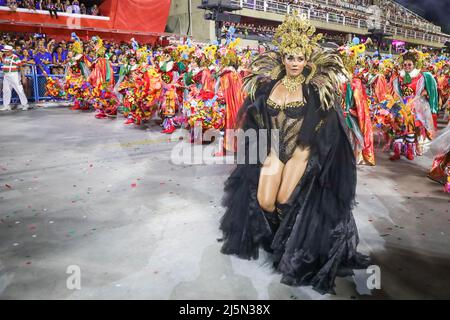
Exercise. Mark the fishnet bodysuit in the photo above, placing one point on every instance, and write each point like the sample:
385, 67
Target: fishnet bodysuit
288, 120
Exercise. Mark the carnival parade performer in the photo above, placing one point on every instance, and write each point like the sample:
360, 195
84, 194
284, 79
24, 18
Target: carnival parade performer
356, 107
101, 80
414, 92
230, 82
77, 73
291, 201
440, 169
169, 102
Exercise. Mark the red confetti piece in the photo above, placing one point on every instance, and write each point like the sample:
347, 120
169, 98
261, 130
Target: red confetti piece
29, 262
32, 227
8, 186
133, 185
91, 165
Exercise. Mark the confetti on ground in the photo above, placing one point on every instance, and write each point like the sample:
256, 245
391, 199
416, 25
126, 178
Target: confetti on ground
8, 186
133, 185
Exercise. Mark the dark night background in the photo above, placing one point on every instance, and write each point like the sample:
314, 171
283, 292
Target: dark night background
437, 11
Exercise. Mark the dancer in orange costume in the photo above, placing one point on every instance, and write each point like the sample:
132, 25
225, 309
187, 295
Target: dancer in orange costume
356, 108
231, 88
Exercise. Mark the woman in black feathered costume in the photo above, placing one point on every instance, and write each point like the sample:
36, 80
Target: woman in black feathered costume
296, 201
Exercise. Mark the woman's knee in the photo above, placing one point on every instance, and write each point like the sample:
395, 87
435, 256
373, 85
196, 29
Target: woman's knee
283, 198
266, 203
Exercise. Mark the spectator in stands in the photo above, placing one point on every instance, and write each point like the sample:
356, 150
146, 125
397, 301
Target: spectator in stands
115, 63
76, 7
59, 59
83, 9
39, 5
43, 60
25, 70
63, 45
12, 4
94, 10
29, 4
51, 7
59, 6
68, 6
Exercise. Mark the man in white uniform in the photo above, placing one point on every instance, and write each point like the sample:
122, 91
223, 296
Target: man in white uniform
11, 78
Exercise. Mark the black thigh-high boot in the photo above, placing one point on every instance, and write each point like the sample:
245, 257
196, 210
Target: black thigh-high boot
273, 222
282, 210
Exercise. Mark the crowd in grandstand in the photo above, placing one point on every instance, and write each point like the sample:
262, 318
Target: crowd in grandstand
390, 14
53, 6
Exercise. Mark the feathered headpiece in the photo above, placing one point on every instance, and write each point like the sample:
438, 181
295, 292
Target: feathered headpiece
351, 52
414, 55
296, 36
77, 46
324, 69
99, 48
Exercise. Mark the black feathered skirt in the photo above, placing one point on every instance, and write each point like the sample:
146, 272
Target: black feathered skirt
317, 239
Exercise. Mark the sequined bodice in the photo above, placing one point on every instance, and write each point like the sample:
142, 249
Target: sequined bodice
288, 120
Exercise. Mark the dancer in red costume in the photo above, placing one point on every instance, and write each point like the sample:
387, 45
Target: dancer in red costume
169, 98
440, 170
413, 92
76, 74
356, 109
101, 80
231, 89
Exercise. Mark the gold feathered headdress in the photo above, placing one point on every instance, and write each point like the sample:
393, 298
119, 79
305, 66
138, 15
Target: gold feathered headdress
324, 70
296, 36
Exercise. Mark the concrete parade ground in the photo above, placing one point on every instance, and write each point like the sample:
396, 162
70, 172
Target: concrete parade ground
107, 199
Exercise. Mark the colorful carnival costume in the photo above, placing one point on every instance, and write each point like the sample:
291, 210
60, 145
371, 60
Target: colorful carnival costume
169, 98
231, 88
356, 107
75, 85
312, 237
416, 94
440, 170
101, 81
